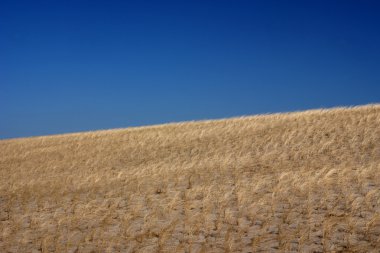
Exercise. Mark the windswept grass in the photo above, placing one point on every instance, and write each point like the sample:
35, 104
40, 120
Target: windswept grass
295, 182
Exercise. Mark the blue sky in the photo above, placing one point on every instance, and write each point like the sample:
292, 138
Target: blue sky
68, 66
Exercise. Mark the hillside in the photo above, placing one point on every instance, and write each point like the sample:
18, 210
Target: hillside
294, 182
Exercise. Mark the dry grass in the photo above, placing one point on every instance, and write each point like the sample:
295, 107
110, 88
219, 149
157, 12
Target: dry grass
298, 182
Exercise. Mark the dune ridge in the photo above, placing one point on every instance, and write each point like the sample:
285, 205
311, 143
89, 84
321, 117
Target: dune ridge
293, 182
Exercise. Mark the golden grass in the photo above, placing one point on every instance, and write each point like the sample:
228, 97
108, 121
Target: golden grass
295, 182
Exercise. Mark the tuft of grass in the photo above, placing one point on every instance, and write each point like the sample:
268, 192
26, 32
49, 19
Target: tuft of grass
295, 182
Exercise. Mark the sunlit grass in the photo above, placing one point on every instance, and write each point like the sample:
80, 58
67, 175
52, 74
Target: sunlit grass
302, 182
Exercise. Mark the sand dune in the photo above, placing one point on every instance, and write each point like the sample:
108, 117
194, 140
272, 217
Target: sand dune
295, 182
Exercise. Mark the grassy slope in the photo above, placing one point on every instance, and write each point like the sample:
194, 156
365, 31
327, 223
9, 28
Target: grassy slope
306, 181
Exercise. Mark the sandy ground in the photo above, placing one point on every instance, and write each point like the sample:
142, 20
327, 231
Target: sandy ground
298, 182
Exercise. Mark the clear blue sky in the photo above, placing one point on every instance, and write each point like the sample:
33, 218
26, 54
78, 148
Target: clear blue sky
68, 66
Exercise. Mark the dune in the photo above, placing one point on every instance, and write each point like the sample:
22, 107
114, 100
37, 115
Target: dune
292, 182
